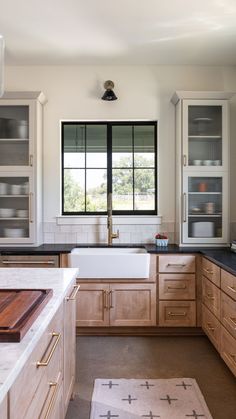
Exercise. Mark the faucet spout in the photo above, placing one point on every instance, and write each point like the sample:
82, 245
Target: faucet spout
110, 234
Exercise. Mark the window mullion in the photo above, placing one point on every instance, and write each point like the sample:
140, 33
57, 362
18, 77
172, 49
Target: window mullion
133, 163
85, 168
109, 158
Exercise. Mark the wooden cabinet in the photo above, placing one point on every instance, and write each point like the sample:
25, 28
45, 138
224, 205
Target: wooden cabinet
112, 304
3, 409
29, 261
228, 349
211, 326
228, 284
211, 296
69, 344
228, 314
211, 271
177, 290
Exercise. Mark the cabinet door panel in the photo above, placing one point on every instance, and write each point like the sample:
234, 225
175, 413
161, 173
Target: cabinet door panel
211, 271
211, 297
132, 304
211, 327
92, 305
228, 313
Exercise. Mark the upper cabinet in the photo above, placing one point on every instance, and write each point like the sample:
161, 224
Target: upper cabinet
21, 168
202, 167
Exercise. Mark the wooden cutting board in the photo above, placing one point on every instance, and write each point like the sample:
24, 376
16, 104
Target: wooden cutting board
19, 308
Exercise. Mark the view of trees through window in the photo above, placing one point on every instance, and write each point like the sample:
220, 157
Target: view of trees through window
100, 157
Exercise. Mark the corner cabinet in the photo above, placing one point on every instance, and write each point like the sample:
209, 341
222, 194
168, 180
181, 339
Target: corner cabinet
21, 168
202, 167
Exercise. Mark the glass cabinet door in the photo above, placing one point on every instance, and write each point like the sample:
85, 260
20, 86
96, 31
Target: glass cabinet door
203, 209
14, 135
204, 134
16, 212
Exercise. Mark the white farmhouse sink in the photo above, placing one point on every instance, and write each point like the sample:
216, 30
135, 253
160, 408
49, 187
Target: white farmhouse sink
97, 262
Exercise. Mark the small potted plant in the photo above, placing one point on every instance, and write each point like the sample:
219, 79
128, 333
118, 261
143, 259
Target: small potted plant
161, 240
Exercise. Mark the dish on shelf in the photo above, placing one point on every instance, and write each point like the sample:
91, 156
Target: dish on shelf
195, 210
7, 212
202, 119
197, 162
22, 213
3, 188
14, 233
208, 162
16, 189
217, 162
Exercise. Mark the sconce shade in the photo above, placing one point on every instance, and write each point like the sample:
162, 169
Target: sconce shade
1, 65
109, 94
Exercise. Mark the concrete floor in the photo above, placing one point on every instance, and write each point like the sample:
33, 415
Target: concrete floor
153, 357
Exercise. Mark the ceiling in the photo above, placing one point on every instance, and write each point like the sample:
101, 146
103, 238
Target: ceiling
72, 32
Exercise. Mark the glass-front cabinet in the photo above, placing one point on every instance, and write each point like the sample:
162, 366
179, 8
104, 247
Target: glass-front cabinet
21, 168
205, 208
202, 167
205, 136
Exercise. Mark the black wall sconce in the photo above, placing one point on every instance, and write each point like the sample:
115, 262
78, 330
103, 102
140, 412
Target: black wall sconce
109, 94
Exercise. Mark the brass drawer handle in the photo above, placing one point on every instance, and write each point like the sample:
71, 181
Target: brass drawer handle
28, 262
210, 297
50, 406
209, 327
172, 287
231, 288
208, 271
176, 265
170, 313
74, 293
46, 362
105, 299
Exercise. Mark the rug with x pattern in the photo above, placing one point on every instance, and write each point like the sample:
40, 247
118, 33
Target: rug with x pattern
175, 398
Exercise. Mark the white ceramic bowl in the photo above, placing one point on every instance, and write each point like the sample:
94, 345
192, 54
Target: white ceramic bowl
217, 162
208, 162
3, 188
16, 189
197, 162
7, 212
22, 213
14, 233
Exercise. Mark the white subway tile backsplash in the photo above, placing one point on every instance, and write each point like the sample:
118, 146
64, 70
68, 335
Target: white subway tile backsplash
48, 237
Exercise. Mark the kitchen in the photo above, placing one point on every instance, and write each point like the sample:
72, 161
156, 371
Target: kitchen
62, 82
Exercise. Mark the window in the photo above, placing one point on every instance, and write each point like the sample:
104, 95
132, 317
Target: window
117, 157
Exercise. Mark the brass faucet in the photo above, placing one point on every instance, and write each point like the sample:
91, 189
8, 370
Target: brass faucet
110, 234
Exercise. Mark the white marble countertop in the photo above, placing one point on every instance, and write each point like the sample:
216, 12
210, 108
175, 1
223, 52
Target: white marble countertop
13, 356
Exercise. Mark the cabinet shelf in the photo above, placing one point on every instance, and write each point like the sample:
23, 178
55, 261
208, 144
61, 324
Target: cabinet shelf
208, 137
205, 193
14, 196
13, 219
14, 140
205, 215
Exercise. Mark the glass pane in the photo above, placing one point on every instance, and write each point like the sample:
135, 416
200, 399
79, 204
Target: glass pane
144, 148
122, 146
144, 189
122, 188
96, 184
74, 190
14, 207
205, 135
14, 135
205, 206
74, 145
96, 146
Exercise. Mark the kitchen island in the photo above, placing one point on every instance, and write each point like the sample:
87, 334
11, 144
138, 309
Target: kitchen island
20, 371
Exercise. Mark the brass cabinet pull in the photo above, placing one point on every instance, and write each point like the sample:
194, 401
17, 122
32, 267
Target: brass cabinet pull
170, 313
209, 271
172, 287
74, 293
57, 337
176, 265
30, 207
231, 288
184, 160
51, 403
28, 262
184, 207
31, 160
111, 302
105, 299
209, 327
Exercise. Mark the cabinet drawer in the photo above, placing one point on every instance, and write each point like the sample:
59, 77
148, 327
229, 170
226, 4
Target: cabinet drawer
228, 313
176, 263
228, 349
211, 271
24, 261
177, 313
176, 287
49, 350
228, 284
211, 327
211, 297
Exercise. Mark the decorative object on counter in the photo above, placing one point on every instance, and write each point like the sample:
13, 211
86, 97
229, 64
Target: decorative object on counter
109, 95
161, 240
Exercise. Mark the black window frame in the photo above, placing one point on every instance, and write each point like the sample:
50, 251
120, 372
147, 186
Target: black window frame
109, 125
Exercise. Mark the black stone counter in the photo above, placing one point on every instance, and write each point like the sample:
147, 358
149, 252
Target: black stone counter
223, 257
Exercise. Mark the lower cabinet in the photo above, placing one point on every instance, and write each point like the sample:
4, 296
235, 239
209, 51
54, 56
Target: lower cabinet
29, 261
177, 313
116, 304
3, 409
44, 386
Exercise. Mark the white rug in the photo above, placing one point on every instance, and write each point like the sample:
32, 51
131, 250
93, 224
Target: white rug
176, 398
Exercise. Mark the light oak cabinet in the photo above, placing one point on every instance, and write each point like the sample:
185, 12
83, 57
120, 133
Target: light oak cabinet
176, 290
212, 327
3, 409
116, 304
29, 261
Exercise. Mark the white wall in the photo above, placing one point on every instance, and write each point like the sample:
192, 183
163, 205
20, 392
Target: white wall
143, 92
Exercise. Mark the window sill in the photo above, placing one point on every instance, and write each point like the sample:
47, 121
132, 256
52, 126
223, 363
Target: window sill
117, 219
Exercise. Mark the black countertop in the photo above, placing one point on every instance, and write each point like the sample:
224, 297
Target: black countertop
223, 257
